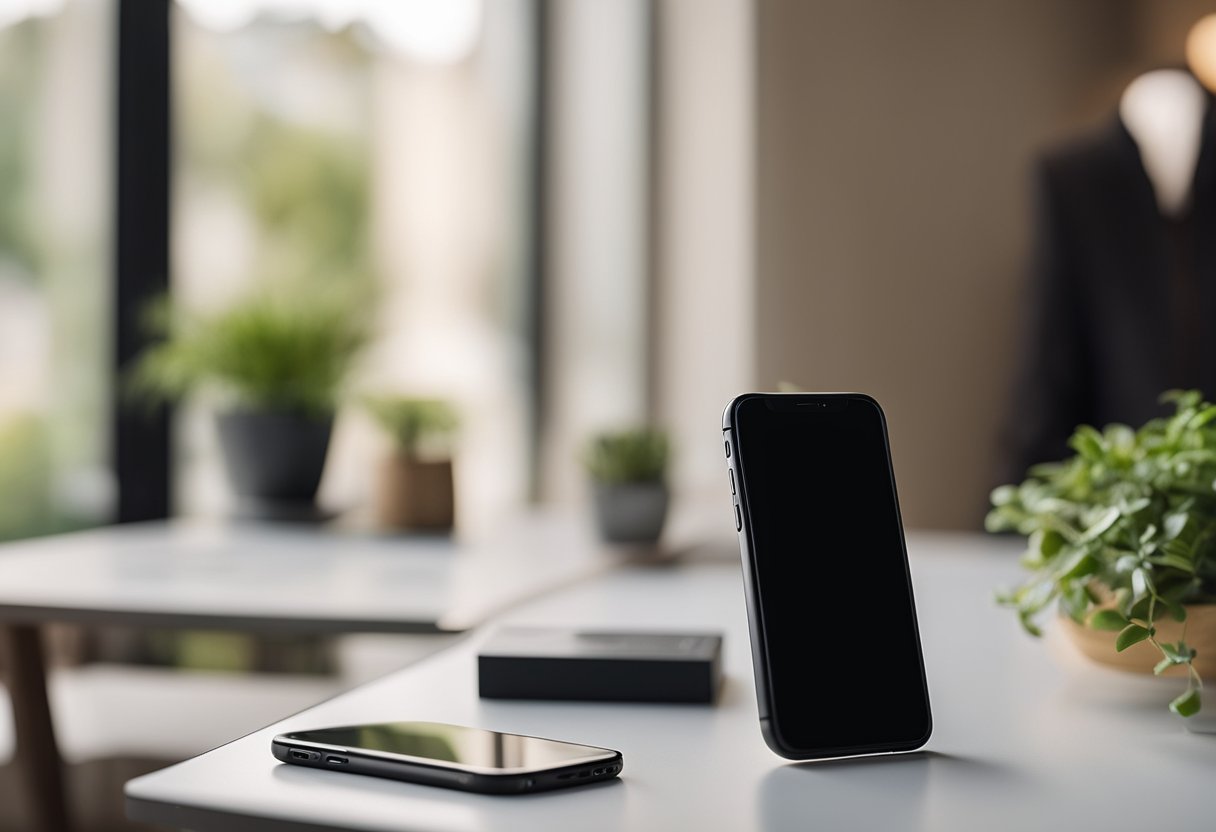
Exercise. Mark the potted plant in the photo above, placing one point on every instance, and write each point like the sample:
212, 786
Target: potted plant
276, 362
1122, 537
628, 471
415, 482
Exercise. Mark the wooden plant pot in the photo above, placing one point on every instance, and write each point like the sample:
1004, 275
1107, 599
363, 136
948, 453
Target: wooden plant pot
415, 494
1099, 645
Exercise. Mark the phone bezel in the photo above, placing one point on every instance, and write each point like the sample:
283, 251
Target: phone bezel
769, 719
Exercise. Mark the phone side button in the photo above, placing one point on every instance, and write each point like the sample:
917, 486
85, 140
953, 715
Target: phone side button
738, 519
731, 475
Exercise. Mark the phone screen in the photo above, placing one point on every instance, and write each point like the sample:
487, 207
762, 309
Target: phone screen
454, 744
844, 656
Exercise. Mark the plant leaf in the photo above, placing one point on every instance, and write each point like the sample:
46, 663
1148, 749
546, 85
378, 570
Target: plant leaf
1162, 666
1051, 543
1140, 581
1079, 567
1074, 602
1111, 620
1172, 653
996, 521
1105, 520
1202, 417
1136, 506
1087, 442
1177, 547
1003, 494
1028, 624
1174, 562
1131, 634
1187, 704
1140, 609
1126, 563
1174, 524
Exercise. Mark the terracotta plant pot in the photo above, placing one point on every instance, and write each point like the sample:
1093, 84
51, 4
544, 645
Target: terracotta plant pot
1099, 645
415, 494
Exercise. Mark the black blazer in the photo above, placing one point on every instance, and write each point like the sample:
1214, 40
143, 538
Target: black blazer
1122, 299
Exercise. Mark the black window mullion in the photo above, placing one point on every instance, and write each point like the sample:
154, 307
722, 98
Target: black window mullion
141, 446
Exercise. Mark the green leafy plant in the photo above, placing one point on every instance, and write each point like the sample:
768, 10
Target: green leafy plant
273, 351
1124, 532
638, 455
414, 423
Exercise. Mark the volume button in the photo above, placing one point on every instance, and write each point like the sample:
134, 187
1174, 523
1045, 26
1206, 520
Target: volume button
731, 476
738, 519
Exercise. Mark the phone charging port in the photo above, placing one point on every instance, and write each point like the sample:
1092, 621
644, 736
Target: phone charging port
302, 755
336, 761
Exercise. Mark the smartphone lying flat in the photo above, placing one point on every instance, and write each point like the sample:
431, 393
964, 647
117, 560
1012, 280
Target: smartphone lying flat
835, 645
452, 756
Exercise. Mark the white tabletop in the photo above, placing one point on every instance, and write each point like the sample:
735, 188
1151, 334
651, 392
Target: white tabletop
1026, 735
249, 576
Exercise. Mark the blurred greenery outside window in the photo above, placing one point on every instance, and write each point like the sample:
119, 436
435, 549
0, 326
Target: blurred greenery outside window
54, 266
378, 146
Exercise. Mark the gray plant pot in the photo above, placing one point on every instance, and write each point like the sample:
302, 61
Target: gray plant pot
275, 457
631, 512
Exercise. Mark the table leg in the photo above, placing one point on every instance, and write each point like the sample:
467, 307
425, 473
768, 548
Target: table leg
36, 758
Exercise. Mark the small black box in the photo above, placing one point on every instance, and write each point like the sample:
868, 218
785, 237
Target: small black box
547, 663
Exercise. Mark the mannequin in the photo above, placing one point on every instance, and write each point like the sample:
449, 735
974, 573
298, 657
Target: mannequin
1163, 110
1122, 291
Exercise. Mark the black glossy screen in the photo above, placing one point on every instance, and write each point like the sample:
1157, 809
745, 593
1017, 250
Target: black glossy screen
843, 652
454, 744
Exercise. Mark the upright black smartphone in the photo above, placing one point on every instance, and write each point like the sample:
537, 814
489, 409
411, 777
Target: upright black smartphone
452, 756
835, 646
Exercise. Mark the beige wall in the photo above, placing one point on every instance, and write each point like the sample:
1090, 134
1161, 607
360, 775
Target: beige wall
892, 147
1161, 27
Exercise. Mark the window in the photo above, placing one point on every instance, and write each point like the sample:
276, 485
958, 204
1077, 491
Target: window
55, 286
387, 143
